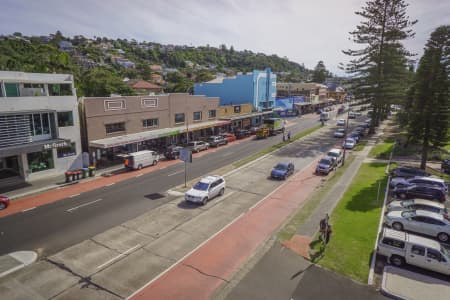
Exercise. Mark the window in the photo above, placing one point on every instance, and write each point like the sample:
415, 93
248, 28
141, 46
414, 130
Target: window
40, 124
65, 118
150, 102
418, 250
150, 123
64, 89
212, 113
12, 89
394, 243
115, 127
197, 116
40, 161
237, 109
179, 118
118, 104
66, 151
433, 254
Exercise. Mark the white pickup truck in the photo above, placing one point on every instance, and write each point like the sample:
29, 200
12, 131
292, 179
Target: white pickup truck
401, 247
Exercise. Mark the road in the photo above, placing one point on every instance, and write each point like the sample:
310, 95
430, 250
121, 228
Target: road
53, 227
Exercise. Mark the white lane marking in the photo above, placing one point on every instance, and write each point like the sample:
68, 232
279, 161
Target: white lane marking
111, 184
210, 238
137, 176
85, 204
119, 256
178, 172
74, 195
228, 153
28, 209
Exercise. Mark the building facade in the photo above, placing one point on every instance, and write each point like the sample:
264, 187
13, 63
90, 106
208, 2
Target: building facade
314, 95
39, 125
117, 125
257, 88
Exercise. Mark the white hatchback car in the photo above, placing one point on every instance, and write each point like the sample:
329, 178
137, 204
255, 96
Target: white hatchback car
420, 221
340, 122
415, 204
206, 189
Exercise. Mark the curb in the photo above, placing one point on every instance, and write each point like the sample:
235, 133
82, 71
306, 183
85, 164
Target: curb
23, 258
384, 290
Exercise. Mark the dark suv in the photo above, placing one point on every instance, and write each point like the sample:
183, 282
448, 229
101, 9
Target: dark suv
216, 141
420, 191
242, 133
173, 152
445, 166
408, 172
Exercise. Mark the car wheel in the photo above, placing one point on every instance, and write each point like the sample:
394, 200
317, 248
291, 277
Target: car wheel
443, 237
204, 201
139, 167
402, 196
2, 206
155, 162
221, 192
397, 226
397, 261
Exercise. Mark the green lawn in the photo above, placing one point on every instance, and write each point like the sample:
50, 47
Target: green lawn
382, 150
355, 222
360, 146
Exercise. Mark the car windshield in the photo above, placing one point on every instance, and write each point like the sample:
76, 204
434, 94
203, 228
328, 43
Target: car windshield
408, 214
281, 167
334, 154
340, 130
191, 144
201, 186
325, 161
407, 203
349, 141
446, 252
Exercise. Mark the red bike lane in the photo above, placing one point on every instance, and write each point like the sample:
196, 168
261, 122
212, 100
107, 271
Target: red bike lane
201, 272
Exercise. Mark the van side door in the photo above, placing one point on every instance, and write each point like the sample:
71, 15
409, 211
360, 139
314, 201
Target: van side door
437, 262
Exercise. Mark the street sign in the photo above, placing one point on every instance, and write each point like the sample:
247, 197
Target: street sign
186, 155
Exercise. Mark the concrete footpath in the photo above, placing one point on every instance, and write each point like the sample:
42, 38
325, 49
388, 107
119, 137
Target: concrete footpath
284, 274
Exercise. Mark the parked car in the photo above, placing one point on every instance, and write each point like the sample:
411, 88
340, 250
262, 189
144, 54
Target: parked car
360, 131
206, 189
242, 133
197, 146
216, 141
349, 143
325, 165
420, 191
419, 180
401, 247
253, 130
415, 204
420, 221
355, 136
407, 172
282, 170
172, 152
339, 133
141, 159
445, 166
229, 137
336, 154
352, 115
4, 202
340, 122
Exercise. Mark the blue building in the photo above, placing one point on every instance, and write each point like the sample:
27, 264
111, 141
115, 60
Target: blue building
257, 88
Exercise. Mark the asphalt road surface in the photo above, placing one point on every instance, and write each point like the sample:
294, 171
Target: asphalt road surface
56, 226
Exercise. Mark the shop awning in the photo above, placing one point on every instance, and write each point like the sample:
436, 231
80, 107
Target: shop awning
239, 117
34, 147
154, 134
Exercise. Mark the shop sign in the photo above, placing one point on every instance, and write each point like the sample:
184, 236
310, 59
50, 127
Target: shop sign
59, 144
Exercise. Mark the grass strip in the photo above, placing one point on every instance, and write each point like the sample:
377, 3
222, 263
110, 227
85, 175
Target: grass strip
360, 146
382, 150
355, 223
274, 147
311, 204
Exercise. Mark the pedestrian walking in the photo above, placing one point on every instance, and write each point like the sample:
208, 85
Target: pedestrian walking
325, 229
289, 135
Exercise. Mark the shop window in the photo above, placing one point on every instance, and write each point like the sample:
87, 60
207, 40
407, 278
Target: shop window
179, 118
40, 161
197, 116
65, 118
40, 124
150, 123
66, 151
212, 113
115, 127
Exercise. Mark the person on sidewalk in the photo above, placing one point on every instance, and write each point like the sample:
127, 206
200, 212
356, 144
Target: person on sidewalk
325, 229
289, 135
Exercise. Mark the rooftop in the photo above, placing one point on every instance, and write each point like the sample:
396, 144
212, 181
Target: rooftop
13, 76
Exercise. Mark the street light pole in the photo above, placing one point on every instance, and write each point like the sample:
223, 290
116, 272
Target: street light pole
345, 137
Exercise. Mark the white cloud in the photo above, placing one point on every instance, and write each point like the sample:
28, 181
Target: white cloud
305, 31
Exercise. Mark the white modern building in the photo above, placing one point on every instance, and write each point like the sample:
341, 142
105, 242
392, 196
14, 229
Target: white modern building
39, 126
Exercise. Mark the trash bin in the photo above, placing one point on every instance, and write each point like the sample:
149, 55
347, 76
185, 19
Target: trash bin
91, 171
74, 175
68, 174
78, 174
85, 172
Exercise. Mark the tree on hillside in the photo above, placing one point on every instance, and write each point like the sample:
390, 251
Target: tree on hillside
429, 117
320, 73
100, 82
379, 68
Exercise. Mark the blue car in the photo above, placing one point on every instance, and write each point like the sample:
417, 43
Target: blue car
282, 170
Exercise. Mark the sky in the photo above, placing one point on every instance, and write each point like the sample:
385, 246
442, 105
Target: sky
304, 31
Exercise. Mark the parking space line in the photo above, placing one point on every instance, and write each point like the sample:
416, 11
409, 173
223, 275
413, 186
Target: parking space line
28, 209
137, 176
178, 172
85, 204
111, 184
72, 196
112, 260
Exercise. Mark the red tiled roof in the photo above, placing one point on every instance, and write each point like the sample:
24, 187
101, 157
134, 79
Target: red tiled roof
141, 84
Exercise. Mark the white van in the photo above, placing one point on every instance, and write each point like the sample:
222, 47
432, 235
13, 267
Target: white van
325, 116
140, 159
